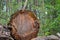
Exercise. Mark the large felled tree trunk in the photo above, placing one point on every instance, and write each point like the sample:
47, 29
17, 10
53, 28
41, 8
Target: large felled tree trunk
25, 25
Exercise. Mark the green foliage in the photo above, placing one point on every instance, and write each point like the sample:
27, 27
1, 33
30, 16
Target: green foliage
52, 25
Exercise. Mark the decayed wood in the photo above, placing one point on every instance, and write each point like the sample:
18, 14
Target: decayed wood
25, 25
5, 33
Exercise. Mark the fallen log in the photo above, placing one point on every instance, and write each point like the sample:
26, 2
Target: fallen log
50, 37
5, 33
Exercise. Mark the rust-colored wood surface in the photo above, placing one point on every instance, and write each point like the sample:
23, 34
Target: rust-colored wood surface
25, 25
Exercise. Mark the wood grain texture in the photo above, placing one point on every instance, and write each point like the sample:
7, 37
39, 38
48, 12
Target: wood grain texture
25, 25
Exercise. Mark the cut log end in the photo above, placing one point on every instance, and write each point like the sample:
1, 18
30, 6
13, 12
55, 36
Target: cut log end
25, 25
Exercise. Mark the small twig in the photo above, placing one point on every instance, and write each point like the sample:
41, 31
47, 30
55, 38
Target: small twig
25, 4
